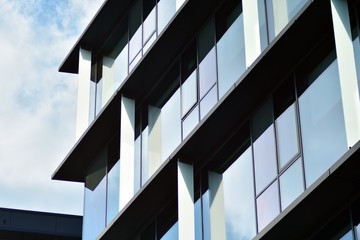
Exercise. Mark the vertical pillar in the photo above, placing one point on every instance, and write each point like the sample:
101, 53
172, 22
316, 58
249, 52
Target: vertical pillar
217, 210
186, 211
127, 149
108, 87
83, 99
347, 69
251, 30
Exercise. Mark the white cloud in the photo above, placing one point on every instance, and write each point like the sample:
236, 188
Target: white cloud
37, 109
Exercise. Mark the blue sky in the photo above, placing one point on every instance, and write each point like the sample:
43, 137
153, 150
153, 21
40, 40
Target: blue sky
38, 104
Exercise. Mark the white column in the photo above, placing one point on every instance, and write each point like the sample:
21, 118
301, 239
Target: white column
251, 30
83, 99
108, 87
186, 209
217, 210
347, 70
127, 148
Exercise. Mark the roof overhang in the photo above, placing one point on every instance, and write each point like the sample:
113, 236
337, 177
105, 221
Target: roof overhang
96, 33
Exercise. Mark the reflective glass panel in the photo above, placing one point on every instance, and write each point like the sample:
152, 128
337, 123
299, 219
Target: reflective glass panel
208, 102
172, 233
95, 199
268, 206
149, 25
207, 72
198, 220
149, 42
166, 10
170, 125
287, 137
239, 198
206, 215
265, 159
92, 101
231, 56
280, 12
113, 193
322, 123
188, 93
121, 67
135, 44
99, 101
137, 164
144, 157
190, 122
356, 45
291, 184
262, 24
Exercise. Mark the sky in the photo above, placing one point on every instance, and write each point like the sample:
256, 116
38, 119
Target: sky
38, 104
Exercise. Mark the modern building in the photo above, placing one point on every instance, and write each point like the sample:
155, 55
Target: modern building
218, 119
27, 225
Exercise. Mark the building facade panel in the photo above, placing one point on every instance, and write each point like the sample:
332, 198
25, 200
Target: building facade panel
258, 117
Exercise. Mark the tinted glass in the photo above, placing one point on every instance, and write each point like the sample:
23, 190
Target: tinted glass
231, 56
287, 137
322, 121
149, 25
170, 125
198, 220
113, 193
239, 198
95, 199
172, 233
121, 66
188, 93
190, 121
135, 44
265, 159
280, 12
208, 102
291, 184
166, 10
207, 72
268, 205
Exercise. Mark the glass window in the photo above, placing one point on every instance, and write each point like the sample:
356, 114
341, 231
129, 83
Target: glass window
207, 72
166, 10
207, 103
135, 45
291, 184
268, 206
113, 192
280, 12
262, 24
92, 101
265, 159
170, 125
95, 198
149, 16
231, 49
198, 220
322, 120
172, 233
287, 137
190, 122
121, 66
99, 93
239, 198
188, 93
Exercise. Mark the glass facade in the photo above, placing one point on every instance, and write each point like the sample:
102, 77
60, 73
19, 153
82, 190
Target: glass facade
295, 134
